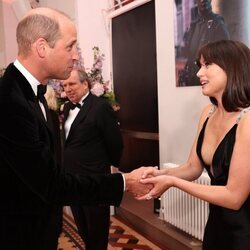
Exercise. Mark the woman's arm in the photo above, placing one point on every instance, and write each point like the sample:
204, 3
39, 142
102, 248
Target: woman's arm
192, 168
237, 189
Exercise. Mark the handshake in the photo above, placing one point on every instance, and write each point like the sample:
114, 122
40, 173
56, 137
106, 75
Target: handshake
146, 183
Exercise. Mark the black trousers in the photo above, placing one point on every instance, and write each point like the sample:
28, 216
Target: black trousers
93, 225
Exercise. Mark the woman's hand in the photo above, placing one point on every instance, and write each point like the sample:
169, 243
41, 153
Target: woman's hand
161, 183
150, 172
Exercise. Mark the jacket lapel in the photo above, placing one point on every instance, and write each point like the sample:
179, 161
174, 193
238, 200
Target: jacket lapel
23, 85
82, 113
66, 110
24, 89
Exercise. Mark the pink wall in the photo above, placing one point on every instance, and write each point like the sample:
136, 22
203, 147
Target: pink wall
93, 31
9, 24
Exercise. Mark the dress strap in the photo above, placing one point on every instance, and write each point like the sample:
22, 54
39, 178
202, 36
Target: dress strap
211, 111
243, 111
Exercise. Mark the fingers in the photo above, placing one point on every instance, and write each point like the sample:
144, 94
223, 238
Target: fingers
149, 171
149, 197
140, 189
148, 180
133, 183
144, 197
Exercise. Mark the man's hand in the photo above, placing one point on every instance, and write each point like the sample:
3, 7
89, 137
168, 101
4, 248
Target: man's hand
134, 185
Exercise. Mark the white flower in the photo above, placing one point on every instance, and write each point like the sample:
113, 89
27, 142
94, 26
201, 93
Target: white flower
63, 94
97, 89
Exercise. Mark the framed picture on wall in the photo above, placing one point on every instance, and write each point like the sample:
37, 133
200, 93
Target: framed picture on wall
196, 24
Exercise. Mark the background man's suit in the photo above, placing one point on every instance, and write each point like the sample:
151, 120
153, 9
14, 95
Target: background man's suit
93, 144
32, 187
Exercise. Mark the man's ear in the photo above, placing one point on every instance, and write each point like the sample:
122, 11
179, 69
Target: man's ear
86, 84
41, 47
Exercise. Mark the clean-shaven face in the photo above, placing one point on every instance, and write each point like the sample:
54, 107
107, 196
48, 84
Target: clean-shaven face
64, 54
213, 79
73, 88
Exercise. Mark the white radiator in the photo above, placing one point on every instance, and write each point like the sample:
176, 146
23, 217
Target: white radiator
183, 210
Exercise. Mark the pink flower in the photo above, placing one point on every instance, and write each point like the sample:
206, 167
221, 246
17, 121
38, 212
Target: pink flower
97, 89
63, 94
106, 86
116, 107
98, 65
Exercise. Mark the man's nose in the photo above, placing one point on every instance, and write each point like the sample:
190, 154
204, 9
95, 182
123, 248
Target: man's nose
75, 55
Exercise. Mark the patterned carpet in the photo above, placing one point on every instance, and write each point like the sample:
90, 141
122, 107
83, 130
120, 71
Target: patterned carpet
121, 237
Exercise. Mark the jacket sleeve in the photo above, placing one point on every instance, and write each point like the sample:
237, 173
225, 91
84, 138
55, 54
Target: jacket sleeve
28, 170
110, 130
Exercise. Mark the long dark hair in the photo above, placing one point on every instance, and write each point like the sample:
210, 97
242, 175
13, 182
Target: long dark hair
234, 58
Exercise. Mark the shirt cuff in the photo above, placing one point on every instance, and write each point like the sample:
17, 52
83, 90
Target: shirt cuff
124, 183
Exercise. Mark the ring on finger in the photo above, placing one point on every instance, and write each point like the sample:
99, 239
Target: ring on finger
149, 197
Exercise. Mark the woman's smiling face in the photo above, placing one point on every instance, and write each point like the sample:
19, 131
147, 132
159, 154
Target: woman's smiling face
213, 79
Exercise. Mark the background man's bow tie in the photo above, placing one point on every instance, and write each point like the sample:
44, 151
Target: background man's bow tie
73, 105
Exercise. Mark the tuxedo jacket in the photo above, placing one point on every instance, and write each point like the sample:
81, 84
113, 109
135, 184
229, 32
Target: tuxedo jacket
94, 141
32, 187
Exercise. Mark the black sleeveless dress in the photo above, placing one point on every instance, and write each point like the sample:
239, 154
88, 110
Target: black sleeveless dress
226, 229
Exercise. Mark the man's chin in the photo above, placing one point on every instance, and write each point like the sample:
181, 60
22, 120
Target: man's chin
64, 76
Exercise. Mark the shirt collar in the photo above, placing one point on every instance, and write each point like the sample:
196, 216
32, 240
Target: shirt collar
83, 98
29, 77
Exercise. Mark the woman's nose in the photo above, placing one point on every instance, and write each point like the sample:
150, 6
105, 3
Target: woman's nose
199, 73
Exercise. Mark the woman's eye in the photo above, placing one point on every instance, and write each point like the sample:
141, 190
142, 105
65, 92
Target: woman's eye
206, 65
198, 64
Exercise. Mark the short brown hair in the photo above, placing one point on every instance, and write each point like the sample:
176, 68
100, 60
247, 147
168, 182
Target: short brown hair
33, 27
234, 58
83, 76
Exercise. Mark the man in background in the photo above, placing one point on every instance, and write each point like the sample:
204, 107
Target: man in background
205, 28
93, 142
33, 188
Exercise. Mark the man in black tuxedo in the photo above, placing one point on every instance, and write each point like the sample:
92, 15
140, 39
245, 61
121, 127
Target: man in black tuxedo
93, 142
32, 188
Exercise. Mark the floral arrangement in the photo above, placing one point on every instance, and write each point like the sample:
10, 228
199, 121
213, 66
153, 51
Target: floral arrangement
99, 87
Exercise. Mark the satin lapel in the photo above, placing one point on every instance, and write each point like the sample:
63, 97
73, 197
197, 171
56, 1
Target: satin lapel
17, 77
49, 122
65, 112
25, 91
65, 116
81, 114
38, 112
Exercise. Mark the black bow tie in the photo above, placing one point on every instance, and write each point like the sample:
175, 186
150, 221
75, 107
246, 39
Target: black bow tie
41, 90
73, 105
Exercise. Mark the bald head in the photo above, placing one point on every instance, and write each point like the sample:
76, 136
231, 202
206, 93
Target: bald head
39, 23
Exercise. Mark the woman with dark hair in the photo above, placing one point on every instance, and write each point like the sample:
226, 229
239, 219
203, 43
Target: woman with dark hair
222, 147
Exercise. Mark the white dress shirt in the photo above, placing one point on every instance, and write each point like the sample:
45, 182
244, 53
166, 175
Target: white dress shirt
32, 81
72, 115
